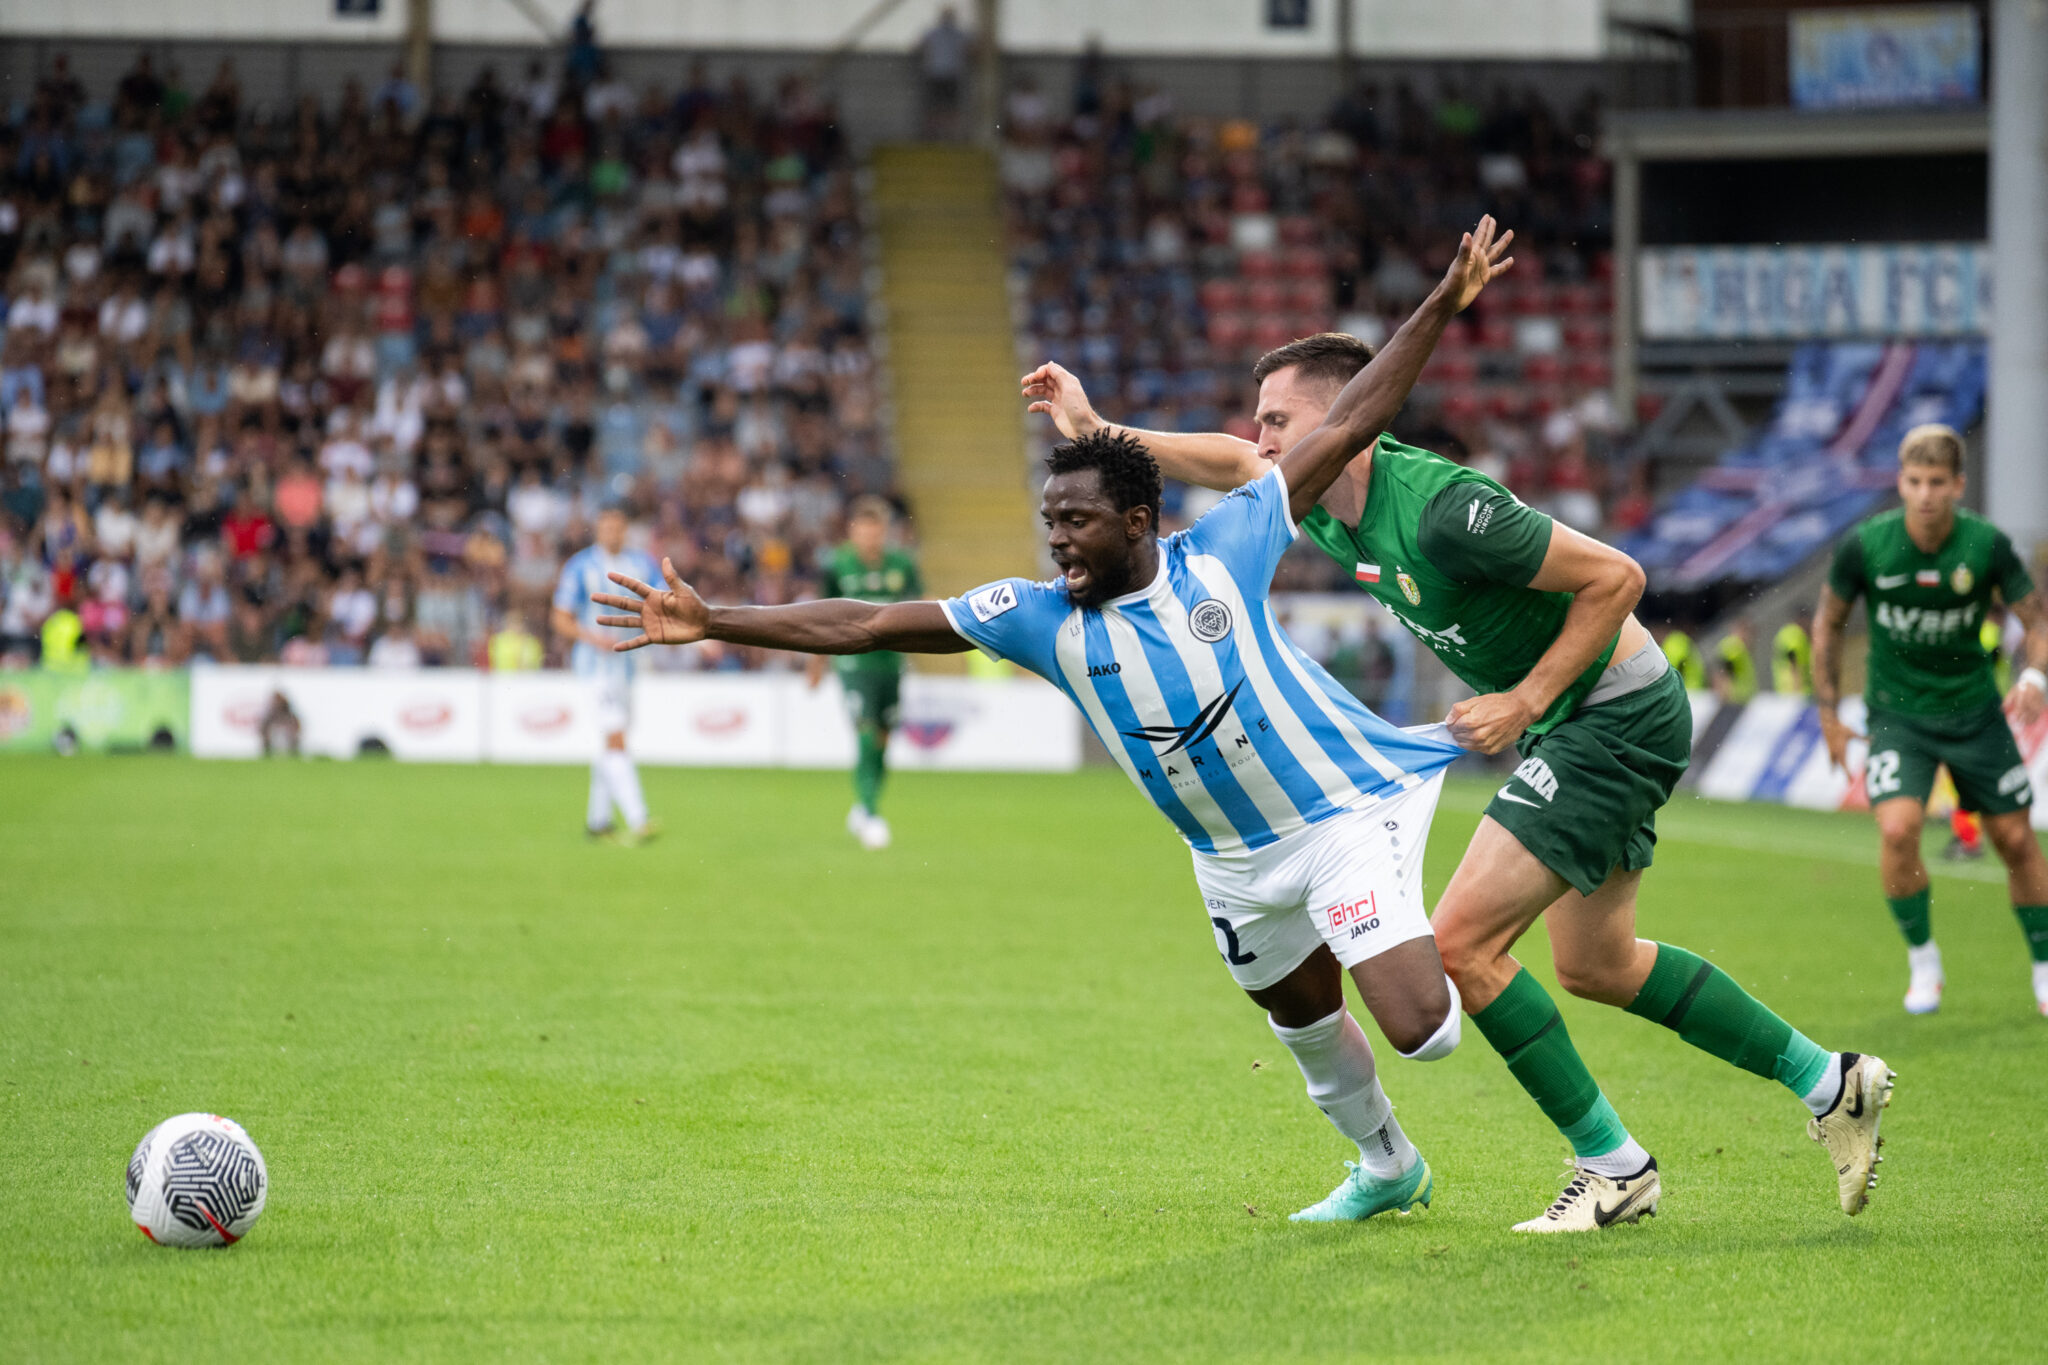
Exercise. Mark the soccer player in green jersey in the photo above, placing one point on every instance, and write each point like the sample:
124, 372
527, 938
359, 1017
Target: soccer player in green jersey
1538, 620
869, 569
1931, 571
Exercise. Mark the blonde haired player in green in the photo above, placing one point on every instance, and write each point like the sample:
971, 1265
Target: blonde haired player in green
868, 568
1538, 620
1931, 572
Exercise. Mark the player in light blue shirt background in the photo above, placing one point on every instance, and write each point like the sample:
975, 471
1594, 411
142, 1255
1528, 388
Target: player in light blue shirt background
1306, 814
614, 780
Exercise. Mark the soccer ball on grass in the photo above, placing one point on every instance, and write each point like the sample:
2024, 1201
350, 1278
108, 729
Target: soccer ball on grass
196, 1181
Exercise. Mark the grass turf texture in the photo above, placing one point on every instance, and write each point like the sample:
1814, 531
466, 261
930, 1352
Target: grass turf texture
750, 1093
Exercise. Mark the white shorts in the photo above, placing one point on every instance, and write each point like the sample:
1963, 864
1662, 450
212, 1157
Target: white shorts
1353, 881
612, 703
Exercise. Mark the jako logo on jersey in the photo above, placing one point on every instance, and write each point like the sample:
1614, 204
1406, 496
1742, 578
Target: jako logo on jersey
1962, 580
1541, 780
992, 602
1478, 516
1210, 620
1409, 590
1104, 670
1178, 737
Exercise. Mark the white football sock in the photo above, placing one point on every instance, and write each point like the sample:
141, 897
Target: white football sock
1336, 1062
1926, 957
624, 780
1827, 1089
1444, 1041
598, 814
1624, 1160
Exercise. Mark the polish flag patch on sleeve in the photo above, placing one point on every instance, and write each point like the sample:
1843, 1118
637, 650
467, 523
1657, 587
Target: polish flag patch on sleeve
1367, 573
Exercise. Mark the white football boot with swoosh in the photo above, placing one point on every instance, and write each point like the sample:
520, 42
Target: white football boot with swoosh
1849, 1130
1590, 1201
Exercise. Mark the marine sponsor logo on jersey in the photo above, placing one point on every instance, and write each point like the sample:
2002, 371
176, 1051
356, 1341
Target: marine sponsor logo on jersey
1205, 723
1408, 589
992, 601
1927, 578
1367, 573
1925, 623
1962, 580
1478, 516
1210, 620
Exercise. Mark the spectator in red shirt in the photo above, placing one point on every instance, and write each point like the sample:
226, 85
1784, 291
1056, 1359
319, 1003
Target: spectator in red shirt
247, 530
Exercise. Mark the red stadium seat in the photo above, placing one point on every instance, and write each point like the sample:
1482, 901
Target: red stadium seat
1534, 300
1578, 300
1582, 335
1451, 367
1265, 296
1222, 295
1306, 263
1269, 331
1543, 369
1591, 372
1507, 402
1462, 407
1299, 229
1496, 333
1310, 295
1258, 265
1227, 331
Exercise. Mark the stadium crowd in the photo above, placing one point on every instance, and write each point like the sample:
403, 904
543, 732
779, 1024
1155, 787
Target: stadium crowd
344, 384
1156, 256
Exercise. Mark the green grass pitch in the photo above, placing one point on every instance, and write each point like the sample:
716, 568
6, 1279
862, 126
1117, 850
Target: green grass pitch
752, 1094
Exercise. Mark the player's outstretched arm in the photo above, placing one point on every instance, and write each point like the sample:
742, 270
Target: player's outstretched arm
1206, 459
1828, 620
678, 616
1368, 403
2030, 690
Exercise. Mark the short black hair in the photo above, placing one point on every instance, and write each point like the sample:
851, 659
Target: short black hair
1130, 476
1325, 358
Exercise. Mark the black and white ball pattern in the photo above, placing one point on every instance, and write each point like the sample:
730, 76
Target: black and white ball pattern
196, 1180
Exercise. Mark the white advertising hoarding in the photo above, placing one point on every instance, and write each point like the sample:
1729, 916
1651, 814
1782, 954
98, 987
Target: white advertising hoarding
1692, 293
702, 719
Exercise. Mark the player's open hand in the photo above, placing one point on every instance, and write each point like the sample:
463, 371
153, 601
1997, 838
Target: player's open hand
1479, 261
675, 617
2025, 702
1060, 396
1490, 723
1835, 735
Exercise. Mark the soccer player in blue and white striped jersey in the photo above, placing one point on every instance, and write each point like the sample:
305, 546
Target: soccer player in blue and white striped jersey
1306, 813
606, 673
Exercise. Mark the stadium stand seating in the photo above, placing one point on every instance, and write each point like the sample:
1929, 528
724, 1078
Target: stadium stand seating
1156, 257
345, 383
1826, 458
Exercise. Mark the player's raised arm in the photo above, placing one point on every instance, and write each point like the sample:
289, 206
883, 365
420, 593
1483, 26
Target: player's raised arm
678, 616
1210, 459
1368, 403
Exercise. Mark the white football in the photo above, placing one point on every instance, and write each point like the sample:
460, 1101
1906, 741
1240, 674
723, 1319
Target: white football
196, 1181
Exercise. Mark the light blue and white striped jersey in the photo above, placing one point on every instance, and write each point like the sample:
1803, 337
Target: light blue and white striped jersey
583, 574
1237, 736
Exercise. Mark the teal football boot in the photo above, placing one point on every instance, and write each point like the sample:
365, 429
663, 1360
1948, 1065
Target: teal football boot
1363, 1195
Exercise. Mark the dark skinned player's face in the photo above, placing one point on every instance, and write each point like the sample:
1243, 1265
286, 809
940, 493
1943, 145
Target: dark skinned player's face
1096, 547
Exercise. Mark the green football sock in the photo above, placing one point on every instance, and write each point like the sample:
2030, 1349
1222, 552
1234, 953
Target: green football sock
868, 771
1704, 1006
1916, 920
1524, 1027
2034, 923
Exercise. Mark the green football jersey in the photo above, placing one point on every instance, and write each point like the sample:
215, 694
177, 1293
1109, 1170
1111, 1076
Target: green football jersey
1926, 609
895, 579
1450, 552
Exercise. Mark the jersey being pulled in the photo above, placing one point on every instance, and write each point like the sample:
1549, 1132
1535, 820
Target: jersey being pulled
1234, 733
583, 574
895, 579
1926, 610
1450, 553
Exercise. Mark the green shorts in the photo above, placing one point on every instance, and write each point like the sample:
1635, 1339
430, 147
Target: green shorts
1585, 798
1977, 746
872, 697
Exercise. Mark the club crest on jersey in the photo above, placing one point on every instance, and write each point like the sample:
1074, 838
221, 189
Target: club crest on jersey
1408, 589
1962, 580
1210, 620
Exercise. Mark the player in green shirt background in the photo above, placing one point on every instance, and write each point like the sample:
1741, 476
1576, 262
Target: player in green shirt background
1932, 573
868, 568
1538, 620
